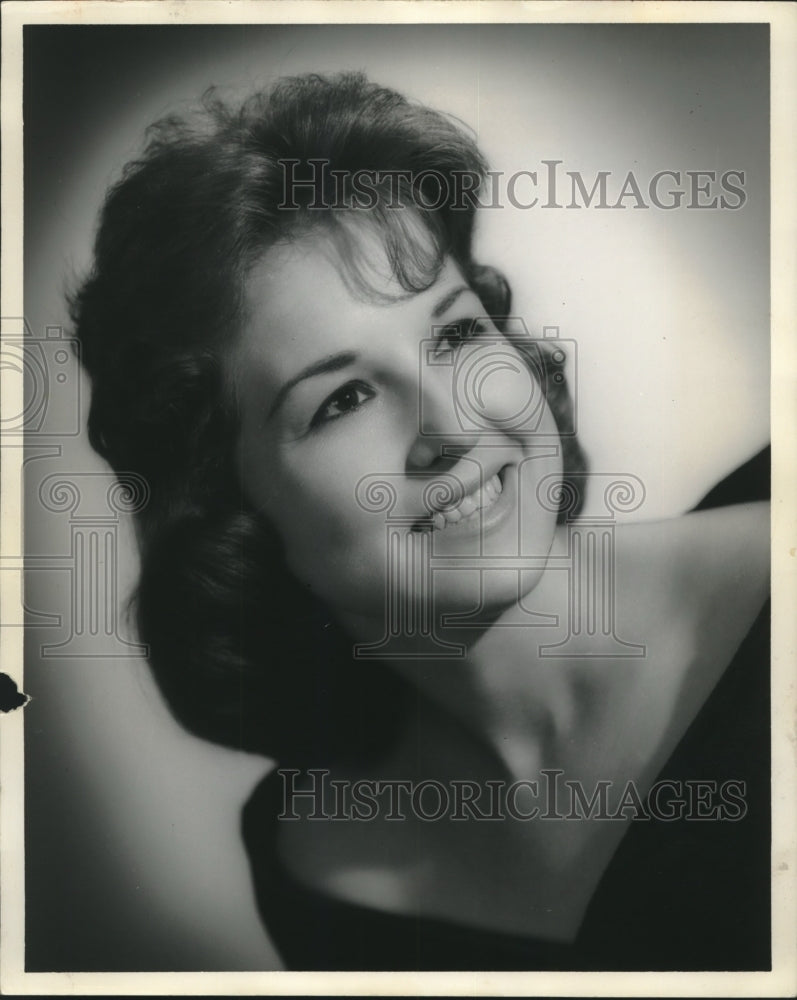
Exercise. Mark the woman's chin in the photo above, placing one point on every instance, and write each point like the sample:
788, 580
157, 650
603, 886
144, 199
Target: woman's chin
460, 604
477, 597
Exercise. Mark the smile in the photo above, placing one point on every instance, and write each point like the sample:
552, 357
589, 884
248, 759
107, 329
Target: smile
469, 510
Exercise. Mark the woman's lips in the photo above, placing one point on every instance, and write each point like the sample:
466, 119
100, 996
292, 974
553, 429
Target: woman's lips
481, 499
475, 510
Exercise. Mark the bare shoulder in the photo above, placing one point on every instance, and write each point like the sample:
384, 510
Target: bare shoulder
668, 580
701, 554
702, 577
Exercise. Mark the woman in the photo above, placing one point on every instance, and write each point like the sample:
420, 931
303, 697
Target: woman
284, 325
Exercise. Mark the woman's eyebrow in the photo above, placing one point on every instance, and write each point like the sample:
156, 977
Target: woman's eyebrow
448, 300
333, 363
338, 361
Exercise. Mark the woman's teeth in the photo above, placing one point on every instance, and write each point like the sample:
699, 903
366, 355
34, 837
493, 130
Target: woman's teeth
469, 508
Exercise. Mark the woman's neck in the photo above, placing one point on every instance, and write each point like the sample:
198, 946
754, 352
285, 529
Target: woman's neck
515, 706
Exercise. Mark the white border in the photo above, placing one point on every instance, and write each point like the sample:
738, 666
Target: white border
782, 981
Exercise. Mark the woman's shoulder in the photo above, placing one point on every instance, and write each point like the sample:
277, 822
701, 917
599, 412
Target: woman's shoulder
699, 558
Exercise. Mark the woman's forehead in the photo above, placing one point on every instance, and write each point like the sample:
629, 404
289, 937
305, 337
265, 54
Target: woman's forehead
301, 305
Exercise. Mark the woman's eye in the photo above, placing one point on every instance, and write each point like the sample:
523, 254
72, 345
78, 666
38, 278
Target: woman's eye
452, 336
346, 400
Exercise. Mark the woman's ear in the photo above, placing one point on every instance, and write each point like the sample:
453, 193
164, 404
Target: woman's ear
493, 290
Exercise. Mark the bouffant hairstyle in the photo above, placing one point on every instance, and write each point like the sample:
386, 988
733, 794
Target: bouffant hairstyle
243, 655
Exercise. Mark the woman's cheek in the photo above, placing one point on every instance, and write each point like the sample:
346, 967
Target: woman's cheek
332, 543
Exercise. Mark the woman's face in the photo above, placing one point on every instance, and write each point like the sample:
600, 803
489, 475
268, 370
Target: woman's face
339, 388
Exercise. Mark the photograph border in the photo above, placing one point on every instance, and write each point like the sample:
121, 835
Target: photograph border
782, 980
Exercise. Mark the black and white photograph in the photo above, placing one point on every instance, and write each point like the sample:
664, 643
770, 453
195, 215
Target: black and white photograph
393, 403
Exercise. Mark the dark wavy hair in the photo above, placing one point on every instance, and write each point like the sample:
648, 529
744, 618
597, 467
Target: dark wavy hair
242, 653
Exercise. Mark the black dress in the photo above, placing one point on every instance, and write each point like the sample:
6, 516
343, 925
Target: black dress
681, 894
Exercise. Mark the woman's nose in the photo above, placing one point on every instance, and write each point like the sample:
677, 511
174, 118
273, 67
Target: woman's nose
441, 436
